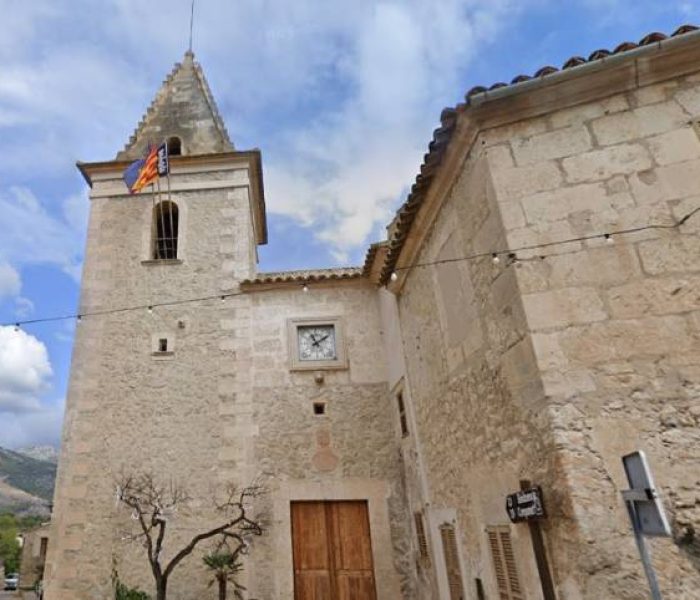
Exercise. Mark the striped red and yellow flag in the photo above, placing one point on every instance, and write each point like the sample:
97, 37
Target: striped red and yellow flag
148, 172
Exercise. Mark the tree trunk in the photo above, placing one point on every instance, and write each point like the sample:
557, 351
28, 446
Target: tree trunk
161, 587
222, 587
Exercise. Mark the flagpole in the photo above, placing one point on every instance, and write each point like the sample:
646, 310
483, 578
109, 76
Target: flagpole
162, 220
170, 201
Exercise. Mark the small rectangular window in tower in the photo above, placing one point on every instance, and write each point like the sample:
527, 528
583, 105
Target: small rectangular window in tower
451, 556
422, 539
402, 414
163, 345
319, 408
504, 566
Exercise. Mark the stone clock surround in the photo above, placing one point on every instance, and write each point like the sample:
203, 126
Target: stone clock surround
295, 362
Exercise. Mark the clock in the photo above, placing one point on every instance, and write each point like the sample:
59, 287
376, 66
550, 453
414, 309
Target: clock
317, 342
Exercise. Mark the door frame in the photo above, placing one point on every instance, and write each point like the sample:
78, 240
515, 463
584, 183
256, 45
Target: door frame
375, 493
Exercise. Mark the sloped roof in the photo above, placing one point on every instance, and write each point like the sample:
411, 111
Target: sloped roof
305, 276
442, 136
184, 107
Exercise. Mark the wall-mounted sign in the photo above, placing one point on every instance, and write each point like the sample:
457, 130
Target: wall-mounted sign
525, 505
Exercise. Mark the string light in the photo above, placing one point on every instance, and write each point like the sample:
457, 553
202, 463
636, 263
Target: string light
223, 298
79, 318
583, 238
305, 288
512, 255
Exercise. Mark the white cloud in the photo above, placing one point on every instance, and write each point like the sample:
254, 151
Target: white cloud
10, 283
24, 370
23, 307
346, 92
38, 237
38, 427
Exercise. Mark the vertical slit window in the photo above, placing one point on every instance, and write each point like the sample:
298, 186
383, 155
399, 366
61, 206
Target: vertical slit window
165, 226
402, 414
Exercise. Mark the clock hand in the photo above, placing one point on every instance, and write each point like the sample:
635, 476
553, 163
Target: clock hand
323, 338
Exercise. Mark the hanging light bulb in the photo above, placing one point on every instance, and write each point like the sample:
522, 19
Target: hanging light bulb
495, 258
16, 326
223, 298
150, 310
393, 276
609, 238
513, 258
305, 288
79, 318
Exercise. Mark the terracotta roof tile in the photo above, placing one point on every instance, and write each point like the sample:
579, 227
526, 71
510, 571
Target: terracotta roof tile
305, 276
443, 135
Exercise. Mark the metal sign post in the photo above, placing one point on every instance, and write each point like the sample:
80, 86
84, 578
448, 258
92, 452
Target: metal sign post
645, 511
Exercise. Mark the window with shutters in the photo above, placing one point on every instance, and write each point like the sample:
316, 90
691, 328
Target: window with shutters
504, 566
451, 555
422, 539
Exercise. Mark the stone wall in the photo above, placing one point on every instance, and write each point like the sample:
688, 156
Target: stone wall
614, 324
130, 410
480, 415
222, 407
33, 557
349, 452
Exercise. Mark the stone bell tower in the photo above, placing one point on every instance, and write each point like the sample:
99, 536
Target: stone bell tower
152, 387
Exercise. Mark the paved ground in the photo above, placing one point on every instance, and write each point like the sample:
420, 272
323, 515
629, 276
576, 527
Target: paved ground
8, 595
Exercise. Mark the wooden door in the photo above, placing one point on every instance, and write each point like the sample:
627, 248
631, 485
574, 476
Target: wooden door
332, 551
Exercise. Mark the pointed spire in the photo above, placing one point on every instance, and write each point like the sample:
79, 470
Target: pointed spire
185, 108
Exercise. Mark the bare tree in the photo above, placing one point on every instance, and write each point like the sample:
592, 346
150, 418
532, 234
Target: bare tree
154, 505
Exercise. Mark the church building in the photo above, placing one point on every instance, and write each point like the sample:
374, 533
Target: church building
532, 317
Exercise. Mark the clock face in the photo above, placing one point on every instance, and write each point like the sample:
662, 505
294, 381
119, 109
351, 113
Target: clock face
316, 342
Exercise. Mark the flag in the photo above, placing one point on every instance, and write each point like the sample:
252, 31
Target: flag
163, 161
146, 170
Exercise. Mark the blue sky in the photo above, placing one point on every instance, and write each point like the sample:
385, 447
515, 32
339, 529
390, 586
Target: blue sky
341, 96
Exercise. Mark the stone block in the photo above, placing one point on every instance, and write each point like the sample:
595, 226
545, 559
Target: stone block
522, 181
639, 123
671, 254
655, 297
605, 163
586, 112
629, 339
561, 308
675, 146
551, 145
602, 266
652, 94
560, 203
548, 351
512, 215
689, 99
500, 156
568, 384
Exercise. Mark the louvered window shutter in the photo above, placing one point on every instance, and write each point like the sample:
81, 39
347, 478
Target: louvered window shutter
454, 574
422, 539
504, 566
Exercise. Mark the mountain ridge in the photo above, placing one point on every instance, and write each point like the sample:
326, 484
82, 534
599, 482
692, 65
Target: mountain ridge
26, 483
